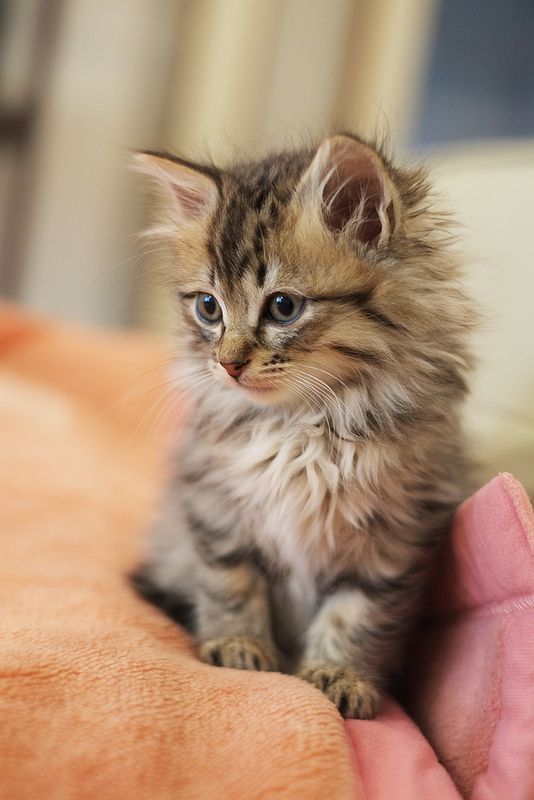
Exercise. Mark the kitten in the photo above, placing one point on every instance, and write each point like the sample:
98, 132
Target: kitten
322, 336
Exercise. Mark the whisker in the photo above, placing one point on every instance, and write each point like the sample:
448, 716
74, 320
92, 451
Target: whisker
159, 407
303, 379
301, 392
341, 407
331, 374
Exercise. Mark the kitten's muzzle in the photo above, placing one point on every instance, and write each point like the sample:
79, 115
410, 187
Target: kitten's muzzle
234, 368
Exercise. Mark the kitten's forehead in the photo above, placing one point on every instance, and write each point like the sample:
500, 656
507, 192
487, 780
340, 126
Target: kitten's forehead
254, 204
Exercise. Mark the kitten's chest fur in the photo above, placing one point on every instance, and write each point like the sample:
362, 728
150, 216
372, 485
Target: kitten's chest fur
296, 492
277, 476
300, 498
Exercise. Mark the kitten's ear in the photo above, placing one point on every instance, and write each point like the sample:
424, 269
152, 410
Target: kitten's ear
193, 191
352, 185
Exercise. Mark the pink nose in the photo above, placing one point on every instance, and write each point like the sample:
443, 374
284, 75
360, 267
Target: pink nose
233, 368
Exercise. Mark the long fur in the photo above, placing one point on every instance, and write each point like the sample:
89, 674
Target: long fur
300, 524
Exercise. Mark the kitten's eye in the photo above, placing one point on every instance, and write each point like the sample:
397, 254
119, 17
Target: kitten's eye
285, 307
208, 309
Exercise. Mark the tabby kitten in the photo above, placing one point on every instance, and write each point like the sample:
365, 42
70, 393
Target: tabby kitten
322, 337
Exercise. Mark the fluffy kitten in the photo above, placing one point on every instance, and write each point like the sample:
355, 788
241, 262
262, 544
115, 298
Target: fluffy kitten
322, 336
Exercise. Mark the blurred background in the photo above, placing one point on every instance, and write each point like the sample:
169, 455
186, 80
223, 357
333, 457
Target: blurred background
84, 81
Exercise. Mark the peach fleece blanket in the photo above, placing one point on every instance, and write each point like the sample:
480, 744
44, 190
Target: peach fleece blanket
102, 697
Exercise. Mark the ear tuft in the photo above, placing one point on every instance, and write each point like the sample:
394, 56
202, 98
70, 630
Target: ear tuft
192, 190
352, 185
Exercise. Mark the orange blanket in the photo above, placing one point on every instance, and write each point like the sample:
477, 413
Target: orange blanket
100, 695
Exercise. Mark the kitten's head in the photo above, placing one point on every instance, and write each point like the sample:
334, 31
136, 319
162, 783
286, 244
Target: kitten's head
309, 274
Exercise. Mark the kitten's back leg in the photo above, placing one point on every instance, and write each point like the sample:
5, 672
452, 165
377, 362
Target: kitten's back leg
177, 606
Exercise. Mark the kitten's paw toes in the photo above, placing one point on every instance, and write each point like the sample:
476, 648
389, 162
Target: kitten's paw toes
239, 653
355, 697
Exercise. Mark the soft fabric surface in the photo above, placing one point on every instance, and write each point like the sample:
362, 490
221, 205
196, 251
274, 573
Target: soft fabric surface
473, 688
102, 697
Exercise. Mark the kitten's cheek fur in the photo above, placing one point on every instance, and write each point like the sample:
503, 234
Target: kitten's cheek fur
354, 697
239, 653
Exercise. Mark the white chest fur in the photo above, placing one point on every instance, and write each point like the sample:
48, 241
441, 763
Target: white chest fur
300, 490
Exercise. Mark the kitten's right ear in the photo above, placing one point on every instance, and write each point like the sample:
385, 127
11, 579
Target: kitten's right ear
348, 180
191, 190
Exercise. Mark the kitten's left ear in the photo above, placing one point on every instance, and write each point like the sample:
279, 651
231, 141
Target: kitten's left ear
356, 194
192, 191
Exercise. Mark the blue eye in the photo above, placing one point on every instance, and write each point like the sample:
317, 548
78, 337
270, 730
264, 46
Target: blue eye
285, 307
208, 309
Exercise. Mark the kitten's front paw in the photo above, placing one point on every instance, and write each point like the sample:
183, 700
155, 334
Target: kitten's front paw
239, 653
354, 696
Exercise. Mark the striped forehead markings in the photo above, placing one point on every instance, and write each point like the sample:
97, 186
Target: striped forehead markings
239, 246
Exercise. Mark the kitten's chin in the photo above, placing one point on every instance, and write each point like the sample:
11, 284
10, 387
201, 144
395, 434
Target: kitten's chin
257, 392
260, 392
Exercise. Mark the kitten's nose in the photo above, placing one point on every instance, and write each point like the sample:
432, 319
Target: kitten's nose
233, 368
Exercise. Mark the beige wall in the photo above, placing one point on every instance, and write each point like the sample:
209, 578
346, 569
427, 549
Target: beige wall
490, 188
105, 94
260, 74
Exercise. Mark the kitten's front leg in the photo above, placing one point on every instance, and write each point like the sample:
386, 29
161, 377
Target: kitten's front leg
233, 616
349, 643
